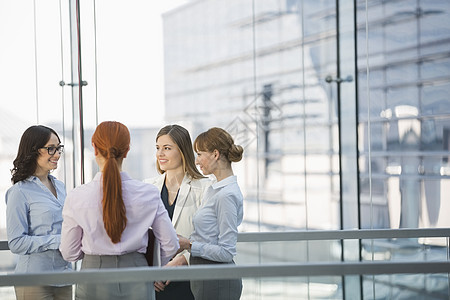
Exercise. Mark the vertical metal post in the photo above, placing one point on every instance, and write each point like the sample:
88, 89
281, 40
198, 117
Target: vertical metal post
267, 98
77, 96
348, 142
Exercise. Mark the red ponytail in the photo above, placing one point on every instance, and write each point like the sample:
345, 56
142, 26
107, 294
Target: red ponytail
112, 140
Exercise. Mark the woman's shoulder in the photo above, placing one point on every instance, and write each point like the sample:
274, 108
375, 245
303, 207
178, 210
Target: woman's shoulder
15, 187
14, 191
20, 187
146, 183
231, 191
84, 192
136, 186
136, 193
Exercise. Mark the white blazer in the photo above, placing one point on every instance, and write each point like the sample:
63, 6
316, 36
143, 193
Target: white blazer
189, 200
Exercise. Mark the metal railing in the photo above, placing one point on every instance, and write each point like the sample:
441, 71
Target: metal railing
255, 271
151, 274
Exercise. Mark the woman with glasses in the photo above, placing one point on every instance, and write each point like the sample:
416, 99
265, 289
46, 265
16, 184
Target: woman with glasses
106, 221
34, 211
181, 186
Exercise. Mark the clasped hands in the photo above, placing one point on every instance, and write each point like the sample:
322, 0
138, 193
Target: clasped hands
180, 260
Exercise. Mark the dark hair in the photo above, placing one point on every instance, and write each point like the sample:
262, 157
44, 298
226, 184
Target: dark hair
218, 139
34, 138
180, 136
112, 140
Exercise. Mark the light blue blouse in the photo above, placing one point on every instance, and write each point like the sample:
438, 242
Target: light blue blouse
216, 221
33, 222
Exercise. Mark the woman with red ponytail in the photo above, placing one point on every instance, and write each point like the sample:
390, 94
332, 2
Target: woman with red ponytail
105, 222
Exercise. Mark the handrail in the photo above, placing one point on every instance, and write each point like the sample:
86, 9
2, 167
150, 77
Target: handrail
4, 245
256, 271
342, 234
330, 235
150, 274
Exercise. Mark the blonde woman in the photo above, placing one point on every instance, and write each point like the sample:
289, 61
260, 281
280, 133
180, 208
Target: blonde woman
181, 186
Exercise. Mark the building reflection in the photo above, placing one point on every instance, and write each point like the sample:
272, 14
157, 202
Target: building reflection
290, 128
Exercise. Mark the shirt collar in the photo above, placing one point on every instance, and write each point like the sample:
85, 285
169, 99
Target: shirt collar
123, 175
33, 177
224, 182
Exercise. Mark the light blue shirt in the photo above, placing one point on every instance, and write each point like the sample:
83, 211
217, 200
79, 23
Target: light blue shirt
33, 222
216, 221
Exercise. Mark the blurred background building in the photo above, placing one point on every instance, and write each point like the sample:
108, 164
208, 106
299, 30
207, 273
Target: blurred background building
267, 70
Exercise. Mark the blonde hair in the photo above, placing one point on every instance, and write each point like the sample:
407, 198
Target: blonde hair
218, 139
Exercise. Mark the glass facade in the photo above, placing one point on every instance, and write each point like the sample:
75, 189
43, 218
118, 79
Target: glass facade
408, 109
342, 108
260, 68
257, 69
301, 84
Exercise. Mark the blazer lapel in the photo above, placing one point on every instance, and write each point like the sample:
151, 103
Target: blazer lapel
181, 199
160, 181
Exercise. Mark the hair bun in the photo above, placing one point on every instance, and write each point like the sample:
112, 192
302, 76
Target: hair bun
235, 153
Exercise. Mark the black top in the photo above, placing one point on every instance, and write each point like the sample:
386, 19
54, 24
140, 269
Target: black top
165, 200
176, 289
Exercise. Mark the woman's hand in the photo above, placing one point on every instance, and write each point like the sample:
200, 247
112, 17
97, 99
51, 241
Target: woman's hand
185, 243
177, 261
160, 285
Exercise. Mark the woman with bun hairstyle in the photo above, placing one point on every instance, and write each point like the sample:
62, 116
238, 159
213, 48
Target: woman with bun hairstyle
181, 186
34, 207
215, 223
106, 221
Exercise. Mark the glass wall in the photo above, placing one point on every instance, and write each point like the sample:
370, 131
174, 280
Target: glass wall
119, 50
405, 97
341, 106
31, 67
403, 100
258, 69
294, 81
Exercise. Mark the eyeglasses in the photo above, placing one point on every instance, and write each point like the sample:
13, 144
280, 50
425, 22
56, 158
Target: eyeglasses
52, 149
